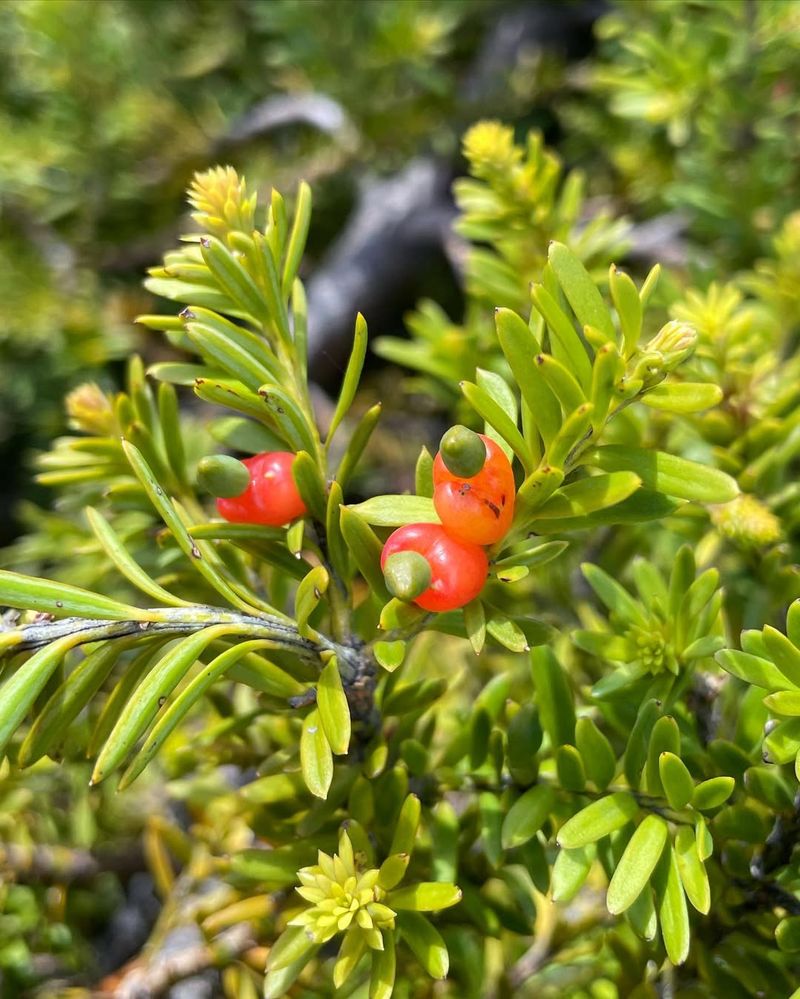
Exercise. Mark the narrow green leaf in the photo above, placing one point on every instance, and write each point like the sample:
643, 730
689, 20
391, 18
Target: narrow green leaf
119, 555
541, 554
245, 435
393, 870
784, 702
229, 355
177, 710
142, 707
425, 943
590, 494
561, 382
692, 870
642, 915
672, 911
599, 759
475, 621
649, 285
405, 832
188, 545
427, 896
358, 441
787, 935
297, 237
535, 490
520, 346
570, 871
60, 599
712, 793
232, 278
396, 510
506, 632
232, 394
169, 420
574, 432
581, 292
527, 816
614, 596
309, 593
599, 819
607, 368
664, 738
365, 548
337, 546
351, 378
390, 655
334, 711
676, 779
636, 751
350, 953
629, 308
563, 335
272, 868
682, 397
69, 699
423, 473
783, 653
752, 669
316, 760
294, 951
264, 259
637, 864
289, 417
554, 696
310, 484
21, 689
384, 968
569, 769
300, 317
666, 473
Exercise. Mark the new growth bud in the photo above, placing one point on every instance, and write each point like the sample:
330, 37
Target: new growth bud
675, 342
407, 575
89, 409
222, 476
463, 452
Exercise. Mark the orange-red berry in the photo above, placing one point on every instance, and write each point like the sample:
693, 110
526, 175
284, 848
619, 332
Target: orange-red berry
458, 570
271, 496
479, 509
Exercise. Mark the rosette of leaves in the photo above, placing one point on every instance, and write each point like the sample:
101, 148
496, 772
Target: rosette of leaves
657, 636
369, 908
515, 201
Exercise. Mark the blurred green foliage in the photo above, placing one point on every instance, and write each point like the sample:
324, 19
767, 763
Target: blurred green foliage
694, 105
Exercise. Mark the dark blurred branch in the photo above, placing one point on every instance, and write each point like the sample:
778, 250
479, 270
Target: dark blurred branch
52, 864
318, 111
141, 980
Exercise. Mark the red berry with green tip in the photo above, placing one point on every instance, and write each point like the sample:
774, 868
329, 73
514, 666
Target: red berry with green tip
477, 509
271, 496
458, 571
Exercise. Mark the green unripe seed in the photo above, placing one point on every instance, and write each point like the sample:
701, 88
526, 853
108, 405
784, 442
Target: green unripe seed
222, 476
407, 575
463, 452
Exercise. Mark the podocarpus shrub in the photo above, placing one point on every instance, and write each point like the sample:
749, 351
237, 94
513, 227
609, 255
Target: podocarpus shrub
569, 784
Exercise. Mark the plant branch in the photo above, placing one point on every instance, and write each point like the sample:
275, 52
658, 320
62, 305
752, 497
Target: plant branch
180, 621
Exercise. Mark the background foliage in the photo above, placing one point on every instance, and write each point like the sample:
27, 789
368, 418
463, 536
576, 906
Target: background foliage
585, 783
